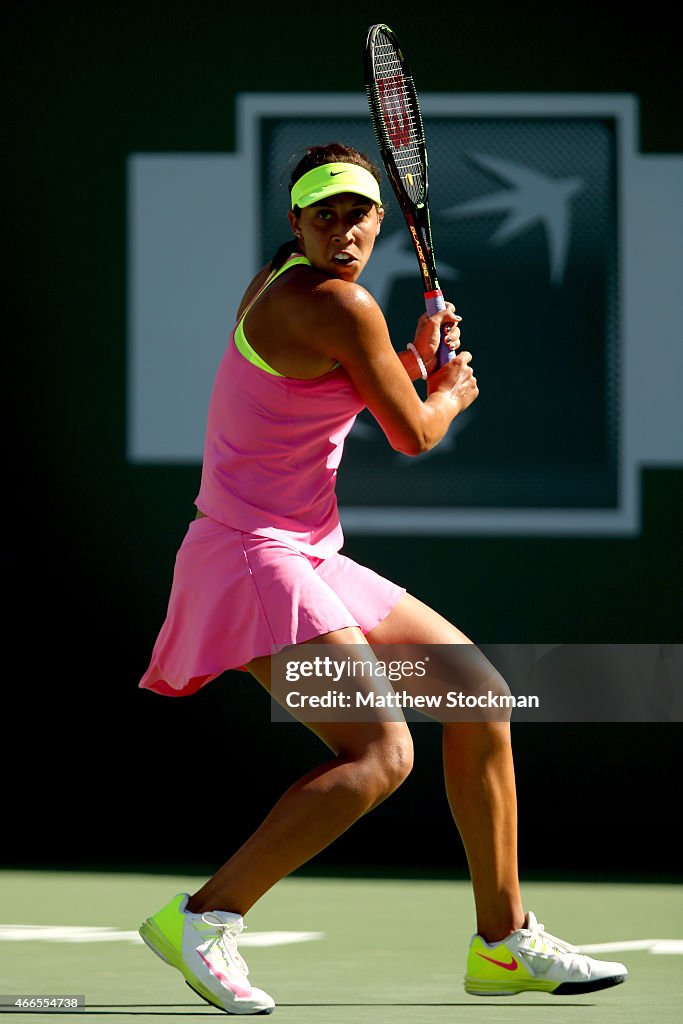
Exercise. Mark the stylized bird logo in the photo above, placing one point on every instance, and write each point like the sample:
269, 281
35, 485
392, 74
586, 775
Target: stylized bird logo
533, 198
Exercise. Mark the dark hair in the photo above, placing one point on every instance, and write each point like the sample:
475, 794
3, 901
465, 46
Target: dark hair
316, 156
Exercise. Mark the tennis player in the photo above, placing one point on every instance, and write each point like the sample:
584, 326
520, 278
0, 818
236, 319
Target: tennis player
260, 569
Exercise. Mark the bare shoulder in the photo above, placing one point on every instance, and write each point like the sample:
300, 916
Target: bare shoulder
314, 315
346, 295
253, 288
341, 311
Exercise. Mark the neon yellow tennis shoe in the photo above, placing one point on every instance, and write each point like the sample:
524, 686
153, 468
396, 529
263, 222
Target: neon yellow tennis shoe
203, 947
531, 960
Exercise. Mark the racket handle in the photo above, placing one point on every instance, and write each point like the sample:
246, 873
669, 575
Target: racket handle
434, 301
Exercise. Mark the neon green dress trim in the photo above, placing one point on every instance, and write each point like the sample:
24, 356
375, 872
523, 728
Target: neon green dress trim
243, 346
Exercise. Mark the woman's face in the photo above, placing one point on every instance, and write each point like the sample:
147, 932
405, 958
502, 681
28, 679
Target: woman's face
338, 234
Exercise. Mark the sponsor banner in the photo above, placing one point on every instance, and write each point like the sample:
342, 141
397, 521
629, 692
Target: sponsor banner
524, 213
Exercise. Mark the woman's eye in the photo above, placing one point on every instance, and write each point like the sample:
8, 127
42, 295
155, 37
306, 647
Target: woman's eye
325, 216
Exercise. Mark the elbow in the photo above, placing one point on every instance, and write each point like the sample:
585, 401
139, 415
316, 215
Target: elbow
414, 444
417, 435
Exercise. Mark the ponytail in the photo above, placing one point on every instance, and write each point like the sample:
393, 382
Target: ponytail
283, 253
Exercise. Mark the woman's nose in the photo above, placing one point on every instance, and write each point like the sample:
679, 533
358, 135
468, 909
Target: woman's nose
343, 233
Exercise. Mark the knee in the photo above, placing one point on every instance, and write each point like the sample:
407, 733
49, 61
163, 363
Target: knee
488, 697
390, 764
376, 767
501, 699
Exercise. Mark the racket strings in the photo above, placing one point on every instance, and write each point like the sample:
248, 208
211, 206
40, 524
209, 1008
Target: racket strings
399, 116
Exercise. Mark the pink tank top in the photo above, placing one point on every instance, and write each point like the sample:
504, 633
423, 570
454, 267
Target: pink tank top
273, 445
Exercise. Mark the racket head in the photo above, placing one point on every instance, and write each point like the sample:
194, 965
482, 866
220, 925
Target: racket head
397, 121
395, 112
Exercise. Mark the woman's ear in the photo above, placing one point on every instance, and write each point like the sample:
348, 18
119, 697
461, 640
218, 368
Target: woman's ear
380, 217
294, 222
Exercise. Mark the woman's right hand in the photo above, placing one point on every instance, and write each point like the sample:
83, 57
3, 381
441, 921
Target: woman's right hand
456, 381
428, 334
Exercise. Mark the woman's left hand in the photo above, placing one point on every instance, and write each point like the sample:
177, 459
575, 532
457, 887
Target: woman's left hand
428, 334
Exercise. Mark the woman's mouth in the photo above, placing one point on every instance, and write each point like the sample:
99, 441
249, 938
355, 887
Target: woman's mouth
343, 259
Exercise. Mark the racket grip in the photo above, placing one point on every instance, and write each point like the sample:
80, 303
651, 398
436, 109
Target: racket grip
434, 301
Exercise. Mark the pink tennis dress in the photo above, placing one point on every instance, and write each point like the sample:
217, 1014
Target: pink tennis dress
263, 570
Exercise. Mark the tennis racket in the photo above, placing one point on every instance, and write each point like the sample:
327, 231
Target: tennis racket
397, 121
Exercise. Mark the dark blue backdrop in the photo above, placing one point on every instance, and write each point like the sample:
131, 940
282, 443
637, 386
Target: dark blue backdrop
92, 767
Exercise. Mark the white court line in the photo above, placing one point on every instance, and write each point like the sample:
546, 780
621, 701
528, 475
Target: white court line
74, 933
674, 946
70, 933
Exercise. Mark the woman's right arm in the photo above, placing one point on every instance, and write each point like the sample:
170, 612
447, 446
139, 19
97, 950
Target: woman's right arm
346, 323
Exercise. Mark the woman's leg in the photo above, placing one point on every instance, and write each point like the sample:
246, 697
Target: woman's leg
479, 777
371, 760
480, 785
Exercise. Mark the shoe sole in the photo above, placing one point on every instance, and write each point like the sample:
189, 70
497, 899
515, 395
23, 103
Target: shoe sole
566, 988
159, 944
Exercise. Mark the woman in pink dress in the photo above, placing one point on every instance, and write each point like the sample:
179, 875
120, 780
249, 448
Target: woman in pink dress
260, 571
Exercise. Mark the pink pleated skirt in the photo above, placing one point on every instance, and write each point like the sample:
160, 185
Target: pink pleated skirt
236, 596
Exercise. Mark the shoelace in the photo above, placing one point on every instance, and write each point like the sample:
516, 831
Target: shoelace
564, 949
558, 945
226, 939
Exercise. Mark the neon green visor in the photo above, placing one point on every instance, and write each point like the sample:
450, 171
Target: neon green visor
331, 179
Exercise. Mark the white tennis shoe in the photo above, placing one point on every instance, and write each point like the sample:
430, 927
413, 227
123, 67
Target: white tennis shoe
531, 959
203, 947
